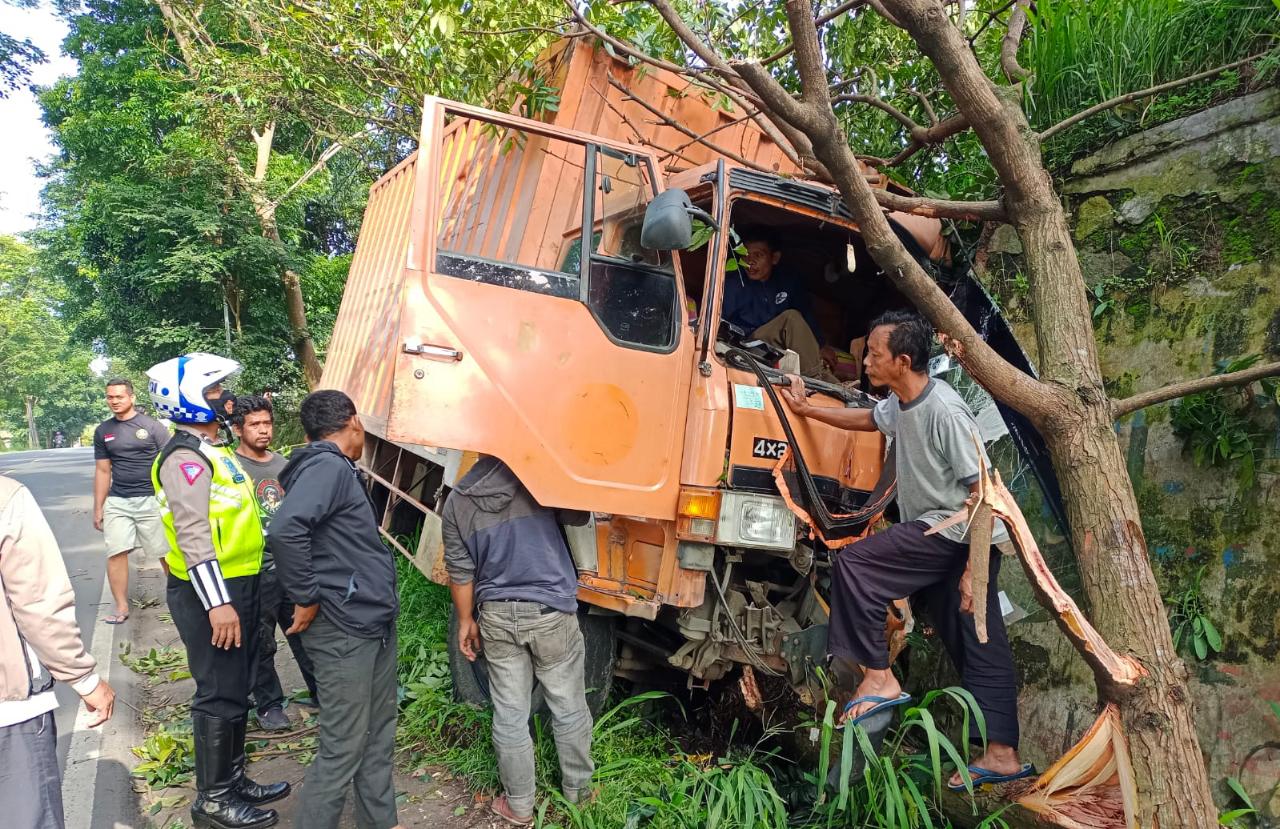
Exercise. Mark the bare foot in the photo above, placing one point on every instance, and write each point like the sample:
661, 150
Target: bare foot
1000, 758
876, 683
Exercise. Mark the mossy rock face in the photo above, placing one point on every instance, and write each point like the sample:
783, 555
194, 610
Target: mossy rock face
1092, 215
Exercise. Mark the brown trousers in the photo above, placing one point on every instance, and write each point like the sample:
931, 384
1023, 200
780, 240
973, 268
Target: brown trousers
788, 330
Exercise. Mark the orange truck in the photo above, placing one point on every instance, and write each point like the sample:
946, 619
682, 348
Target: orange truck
528, 288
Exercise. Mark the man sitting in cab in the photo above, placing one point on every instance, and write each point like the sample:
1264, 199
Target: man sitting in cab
773, 305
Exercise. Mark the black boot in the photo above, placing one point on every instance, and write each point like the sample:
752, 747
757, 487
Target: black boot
217, 805
249, 791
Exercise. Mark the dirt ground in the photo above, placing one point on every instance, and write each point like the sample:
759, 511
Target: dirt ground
427, 796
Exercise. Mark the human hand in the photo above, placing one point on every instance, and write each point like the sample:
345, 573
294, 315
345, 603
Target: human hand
101, 701
226, 626
794, 394
469, 638
97, 520
303, 616
966, 592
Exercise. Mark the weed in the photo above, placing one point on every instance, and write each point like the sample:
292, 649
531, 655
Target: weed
1216, 426
1189, 620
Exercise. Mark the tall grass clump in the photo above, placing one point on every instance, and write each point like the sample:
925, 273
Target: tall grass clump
645, 779
1085, 53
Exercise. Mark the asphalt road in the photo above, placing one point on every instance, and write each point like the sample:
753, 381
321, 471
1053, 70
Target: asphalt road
95, 762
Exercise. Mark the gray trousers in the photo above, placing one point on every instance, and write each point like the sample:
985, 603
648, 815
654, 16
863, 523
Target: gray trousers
521, 642
357, 681
30, 784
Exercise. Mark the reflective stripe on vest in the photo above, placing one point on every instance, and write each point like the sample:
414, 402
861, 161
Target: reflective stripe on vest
234, 523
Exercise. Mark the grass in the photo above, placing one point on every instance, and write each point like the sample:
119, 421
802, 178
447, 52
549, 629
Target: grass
646, 780
1086, 53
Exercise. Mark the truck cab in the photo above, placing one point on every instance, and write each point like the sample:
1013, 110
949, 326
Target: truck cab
502, 301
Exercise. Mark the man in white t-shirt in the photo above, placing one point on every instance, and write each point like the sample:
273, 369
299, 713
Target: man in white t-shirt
938, 463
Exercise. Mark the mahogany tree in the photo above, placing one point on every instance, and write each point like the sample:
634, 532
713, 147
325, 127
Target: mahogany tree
797, 94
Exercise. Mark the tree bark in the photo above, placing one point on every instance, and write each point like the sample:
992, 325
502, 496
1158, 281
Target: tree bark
33, 434
304, 345
1106, 528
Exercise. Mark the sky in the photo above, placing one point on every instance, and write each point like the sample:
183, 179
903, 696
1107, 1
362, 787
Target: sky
23, 137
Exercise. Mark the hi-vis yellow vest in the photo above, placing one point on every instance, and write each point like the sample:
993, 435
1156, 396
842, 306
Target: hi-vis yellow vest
233, 511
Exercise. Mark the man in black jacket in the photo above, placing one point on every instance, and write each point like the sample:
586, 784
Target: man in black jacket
342, 581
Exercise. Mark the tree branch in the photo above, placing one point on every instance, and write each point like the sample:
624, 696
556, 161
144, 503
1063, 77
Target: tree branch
1129, 405
701, 139
971, 211
823, 20
320, 164
1012, 40
1145, 93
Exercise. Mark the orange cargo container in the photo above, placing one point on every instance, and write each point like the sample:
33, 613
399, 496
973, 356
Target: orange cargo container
500, 302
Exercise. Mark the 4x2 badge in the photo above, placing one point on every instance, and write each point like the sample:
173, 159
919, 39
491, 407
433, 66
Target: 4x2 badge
768, 448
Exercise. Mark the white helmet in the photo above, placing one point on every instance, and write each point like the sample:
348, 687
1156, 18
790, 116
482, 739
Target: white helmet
177, 385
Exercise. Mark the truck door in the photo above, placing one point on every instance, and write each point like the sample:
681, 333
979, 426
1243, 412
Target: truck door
535, 327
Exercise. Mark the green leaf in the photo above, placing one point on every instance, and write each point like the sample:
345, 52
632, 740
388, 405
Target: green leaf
1212, 636
1201, 647
1235, 786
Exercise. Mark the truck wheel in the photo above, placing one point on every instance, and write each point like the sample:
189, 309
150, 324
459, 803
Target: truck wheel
471, 679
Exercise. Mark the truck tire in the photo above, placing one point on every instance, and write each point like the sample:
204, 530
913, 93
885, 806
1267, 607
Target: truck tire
471, 679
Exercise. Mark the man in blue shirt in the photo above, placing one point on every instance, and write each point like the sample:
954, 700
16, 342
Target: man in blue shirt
773, 305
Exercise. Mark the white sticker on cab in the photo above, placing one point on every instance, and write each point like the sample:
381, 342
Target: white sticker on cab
748, 397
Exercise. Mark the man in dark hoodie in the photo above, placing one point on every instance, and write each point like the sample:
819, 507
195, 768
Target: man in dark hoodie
506, 554
333, 566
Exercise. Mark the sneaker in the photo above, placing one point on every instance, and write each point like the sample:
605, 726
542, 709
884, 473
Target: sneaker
274, 719
581, 797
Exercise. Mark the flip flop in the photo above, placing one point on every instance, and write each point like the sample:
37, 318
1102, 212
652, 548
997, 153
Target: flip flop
987, 777
881, 704
117, 619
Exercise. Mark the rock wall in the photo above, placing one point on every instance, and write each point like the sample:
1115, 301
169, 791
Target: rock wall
1178, 233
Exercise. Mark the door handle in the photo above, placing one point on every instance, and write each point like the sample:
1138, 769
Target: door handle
439, 352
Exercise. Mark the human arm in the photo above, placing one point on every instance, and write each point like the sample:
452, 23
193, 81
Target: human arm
42, 602
186, 480
101, 486
307, 503
461, 567
856, 420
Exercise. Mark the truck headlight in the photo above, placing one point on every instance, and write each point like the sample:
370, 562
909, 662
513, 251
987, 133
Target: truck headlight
748, 520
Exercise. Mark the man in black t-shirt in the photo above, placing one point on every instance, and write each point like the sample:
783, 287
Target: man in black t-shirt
253, 422
124, 501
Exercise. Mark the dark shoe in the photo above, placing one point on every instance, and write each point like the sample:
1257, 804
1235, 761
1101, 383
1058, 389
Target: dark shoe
274, 719
246, 789
217, 805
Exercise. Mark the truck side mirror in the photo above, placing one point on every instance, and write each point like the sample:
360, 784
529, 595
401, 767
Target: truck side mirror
668, 221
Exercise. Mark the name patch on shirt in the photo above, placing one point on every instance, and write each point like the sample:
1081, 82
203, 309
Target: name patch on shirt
108, 438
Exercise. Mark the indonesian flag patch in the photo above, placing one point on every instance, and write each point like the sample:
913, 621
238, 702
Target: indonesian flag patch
191, 471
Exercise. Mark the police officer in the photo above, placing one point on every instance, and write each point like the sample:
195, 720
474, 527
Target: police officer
215, 539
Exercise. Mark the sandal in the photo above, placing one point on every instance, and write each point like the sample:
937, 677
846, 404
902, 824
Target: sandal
117, 619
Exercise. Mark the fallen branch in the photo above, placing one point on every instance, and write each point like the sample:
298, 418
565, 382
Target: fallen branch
1129, 405
1144, 93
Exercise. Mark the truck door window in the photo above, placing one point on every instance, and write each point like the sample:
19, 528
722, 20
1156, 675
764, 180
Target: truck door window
510, 208
631, 290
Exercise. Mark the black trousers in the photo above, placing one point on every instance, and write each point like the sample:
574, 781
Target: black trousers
222, 677
275, 610
904, 562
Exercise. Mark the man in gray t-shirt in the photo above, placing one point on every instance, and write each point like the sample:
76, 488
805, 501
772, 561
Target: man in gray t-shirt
253, 421
938, 462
